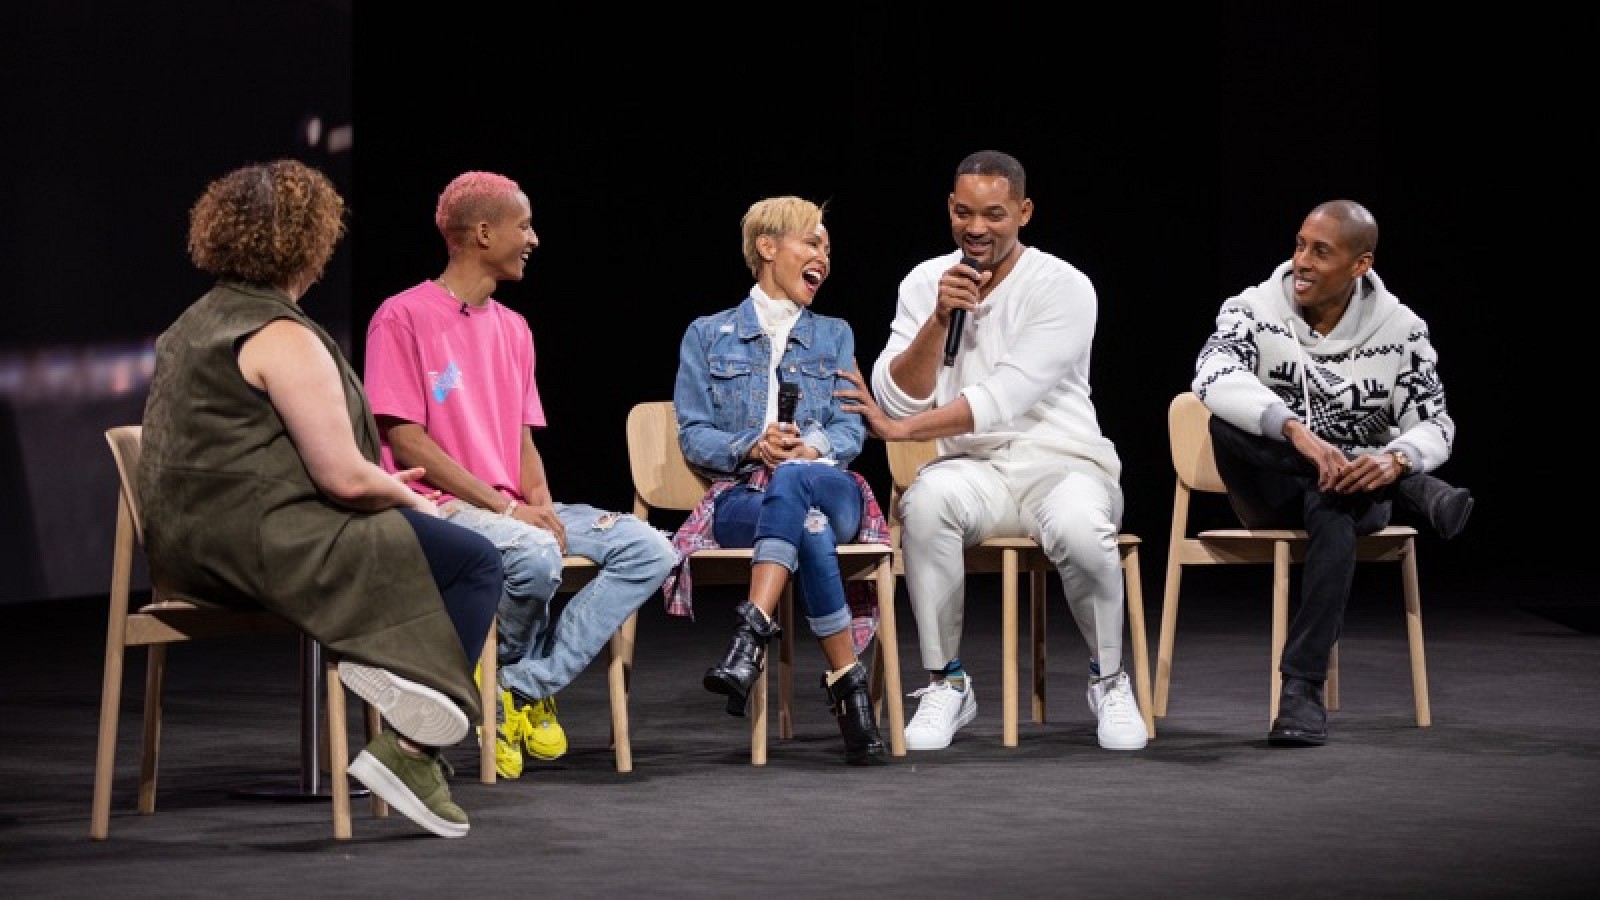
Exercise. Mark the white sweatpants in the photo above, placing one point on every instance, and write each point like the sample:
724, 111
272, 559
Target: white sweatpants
1069, 505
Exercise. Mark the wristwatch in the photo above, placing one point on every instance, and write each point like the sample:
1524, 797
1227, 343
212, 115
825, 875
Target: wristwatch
1401, 460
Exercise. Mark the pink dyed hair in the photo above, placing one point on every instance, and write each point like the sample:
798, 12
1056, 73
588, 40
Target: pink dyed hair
473, 197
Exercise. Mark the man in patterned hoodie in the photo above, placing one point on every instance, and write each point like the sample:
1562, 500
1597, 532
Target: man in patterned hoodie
1326, 407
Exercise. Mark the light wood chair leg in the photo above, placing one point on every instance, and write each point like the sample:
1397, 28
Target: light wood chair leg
1134, 590
1280, 620
1330, 685
1008, 646
1169, 631
619, 671
875, 679
338, 748
1038, 619
150, 756
105, 755
1419, 662
786, 664
374, 724
757, 711
1169, 598
489, 700
886, 659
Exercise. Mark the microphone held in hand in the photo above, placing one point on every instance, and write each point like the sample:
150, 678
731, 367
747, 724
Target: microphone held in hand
788, 400
958, 323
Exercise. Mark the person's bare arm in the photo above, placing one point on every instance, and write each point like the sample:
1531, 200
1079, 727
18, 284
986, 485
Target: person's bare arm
287, 361
538, 507
413, 446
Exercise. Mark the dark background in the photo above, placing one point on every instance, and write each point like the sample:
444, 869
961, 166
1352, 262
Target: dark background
1171, 156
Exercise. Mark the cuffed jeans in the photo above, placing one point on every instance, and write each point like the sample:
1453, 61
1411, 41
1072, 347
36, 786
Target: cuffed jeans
799, 521
1070, 506
536, 657
1270, 485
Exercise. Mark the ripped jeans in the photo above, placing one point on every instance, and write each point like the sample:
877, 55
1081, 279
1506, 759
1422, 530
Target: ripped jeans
806, 511
538, 657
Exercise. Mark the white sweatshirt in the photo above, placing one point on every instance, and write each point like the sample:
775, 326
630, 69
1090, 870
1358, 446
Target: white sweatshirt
1023, 364
1369, 386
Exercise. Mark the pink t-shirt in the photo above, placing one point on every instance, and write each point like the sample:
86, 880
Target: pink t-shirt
465, 374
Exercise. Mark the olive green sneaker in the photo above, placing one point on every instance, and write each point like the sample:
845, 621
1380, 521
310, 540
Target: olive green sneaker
413, 783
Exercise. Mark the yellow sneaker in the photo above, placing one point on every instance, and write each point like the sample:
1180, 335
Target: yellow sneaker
511, 725
542, 735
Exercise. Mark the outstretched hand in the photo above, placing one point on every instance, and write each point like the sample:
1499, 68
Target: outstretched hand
858, 399
421, 502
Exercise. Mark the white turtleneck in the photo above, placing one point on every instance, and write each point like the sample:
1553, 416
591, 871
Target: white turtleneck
777, 317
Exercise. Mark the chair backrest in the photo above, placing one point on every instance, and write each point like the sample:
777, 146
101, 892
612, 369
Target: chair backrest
1189, 433
905, 458
124, 441
662, 478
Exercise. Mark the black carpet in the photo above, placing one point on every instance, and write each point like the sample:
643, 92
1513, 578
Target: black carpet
1497, 798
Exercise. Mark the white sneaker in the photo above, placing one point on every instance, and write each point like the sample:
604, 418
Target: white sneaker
1121, 726
1097, 692
943, 710
415, 710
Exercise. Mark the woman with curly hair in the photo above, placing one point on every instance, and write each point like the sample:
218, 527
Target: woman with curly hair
263, 488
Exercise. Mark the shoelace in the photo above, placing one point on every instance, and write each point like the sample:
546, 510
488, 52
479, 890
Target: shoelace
941, 698
1116, 705
541, 713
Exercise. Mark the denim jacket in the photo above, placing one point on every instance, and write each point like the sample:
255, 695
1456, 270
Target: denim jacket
720, 396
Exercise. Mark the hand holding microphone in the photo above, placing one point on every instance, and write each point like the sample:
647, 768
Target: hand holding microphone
777, 444
958, 323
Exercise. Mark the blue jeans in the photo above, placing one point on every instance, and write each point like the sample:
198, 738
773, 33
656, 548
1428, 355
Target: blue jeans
536, 657
807, 510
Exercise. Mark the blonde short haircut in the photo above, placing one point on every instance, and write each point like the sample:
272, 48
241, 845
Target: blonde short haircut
776, 216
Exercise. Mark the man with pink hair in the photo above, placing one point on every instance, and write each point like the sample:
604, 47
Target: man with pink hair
450, 374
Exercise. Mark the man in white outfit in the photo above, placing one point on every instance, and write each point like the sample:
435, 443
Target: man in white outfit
1020, 447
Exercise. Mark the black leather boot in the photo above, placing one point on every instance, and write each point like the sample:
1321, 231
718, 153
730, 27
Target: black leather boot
747, 653
1302, 718
852, 706
1446, 508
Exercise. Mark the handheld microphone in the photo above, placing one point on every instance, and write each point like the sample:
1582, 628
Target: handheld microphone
788, 400
958, 323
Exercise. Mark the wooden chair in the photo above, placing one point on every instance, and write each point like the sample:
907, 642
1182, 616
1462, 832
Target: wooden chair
662, 480
1011, 557
169, 619
1190, 437
576, 571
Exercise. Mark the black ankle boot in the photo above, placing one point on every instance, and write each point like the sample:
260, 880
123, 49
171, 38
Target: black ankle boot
1446, 508
747, 653
852, 706
1302, 718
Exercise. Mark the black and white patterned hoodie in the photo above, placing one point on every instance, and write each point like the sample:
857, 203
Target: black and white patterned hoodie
1371, 385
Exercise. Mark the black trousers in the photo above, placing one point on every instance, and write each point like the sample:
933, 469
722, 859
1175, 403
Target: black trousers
466, 567
1270, 485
